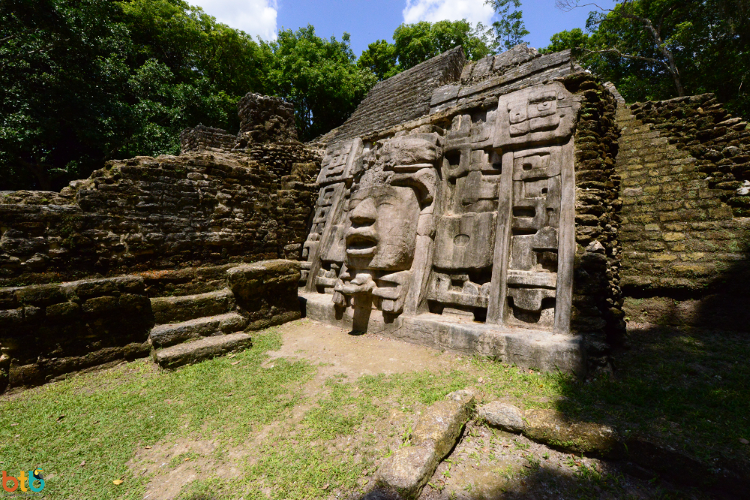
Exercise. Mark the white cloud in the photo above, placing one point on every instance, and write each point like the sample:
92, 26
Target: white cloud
453, 10
254, 17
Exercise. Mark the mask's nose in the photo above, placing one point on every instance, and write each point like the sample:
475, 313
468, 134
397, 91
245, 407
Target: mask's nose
365, 213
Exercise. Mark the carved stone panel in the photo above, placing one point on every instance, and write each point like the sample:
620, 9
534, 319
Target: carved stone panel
337, 164
470, 220
543, 114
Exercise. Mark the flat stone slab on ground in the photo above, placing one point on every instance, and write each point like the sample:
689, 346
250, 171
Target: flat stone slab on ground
439, 428
209, 347
174, 333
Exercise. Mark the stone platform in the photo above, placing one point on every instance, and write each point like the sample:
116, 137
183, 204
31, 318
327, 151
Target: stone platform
526, 348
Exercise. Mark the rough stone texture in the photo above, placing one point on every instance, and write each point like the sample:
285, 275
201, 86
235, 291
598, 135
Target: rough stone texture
186, 307
684, 231
185, 281
406, 471
498, 208
202, 138
516, 69
403, 97
504, 416
594, 439
49, 330
174, 333
199, 350
154, 213
719, 142
597, 296
265, 119
266, 292
551, 428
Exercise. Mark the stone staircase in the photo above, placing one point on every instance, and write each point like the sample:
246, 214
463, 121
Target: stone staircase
191, 328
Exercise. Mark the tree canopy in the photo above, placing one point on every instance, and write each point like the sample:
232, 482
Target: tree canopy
657, 49
418, 42
86, 81
318, 76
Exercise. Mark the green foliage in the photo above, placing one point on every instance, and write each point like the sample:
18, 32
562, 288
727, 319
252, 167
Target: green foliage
708, 40
318, 76
510, 28
418, 42
86, 81
381, 58
91, 80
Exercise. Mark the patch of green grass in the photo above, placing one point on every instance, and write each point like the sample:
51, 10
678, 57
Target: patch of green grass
667, 384
102, 418
687, 387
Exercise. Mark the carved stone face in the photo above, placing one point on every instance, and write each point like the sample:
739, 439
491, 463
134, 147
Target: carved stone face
383, 228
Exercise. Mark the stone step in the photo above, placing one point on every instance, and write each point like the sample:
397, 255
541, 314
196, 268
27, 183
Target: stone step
174, 333
205, 348
186, 307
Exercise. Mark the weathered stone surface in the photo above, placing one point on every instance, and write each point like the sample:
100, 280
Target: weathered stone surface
174, 333
187, 307
199, 350
685, 234
71, 326
551, 428
4, 371
502, 415
486, 211
159, 213
403, 97
266, 291
438, 429
406, 471
202, 138
265, 119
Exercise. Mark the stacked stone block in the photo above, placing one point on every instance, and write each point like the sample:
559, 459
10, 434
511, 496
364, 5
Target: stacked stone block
50, 330
265, 119
403, 97
685, 248
719, 142
597, 299
157, 213
202, 138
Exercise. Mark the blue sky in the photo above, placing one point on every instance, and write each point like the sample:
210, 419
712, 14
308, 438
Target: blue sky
369, 20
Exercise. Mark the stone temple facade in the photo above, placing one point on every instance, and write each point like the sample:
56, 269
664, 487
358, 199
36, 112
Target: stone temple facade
514, 208
457, 228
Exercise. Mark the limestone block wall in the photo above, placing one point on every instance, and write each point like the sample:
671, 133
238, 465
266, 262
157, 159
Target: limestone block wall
50, 330
47, 331
266, 291
684, 167
403, 97
597, 297
159, 213
265, 119
202, 138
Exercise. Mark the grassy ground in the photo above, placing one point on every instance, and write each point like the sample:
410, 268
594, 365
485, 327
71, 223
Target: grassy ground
249, 427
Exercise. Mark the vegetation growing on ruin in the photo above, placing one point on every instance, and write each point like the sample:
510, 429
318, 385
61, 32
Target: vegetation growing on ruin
658, 49
256, 427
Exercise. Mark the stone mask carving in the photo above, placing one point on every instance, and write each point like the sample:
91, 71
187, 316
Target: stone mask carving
383, 228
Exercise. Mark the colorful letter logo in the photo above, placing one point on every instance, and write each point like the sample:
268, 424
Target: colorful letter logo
23, 481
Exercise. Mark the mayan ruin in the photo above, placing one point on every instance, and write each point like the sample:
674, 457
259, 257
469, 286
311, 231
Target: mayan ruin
502, 223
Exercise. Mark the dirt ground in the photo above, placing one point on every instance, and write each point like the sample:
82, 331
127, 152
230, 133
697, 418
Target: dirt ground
485, 464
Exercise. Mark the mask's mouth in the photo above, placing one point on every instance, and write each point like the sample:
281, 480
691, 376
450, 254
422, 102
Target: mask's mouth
361, 242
